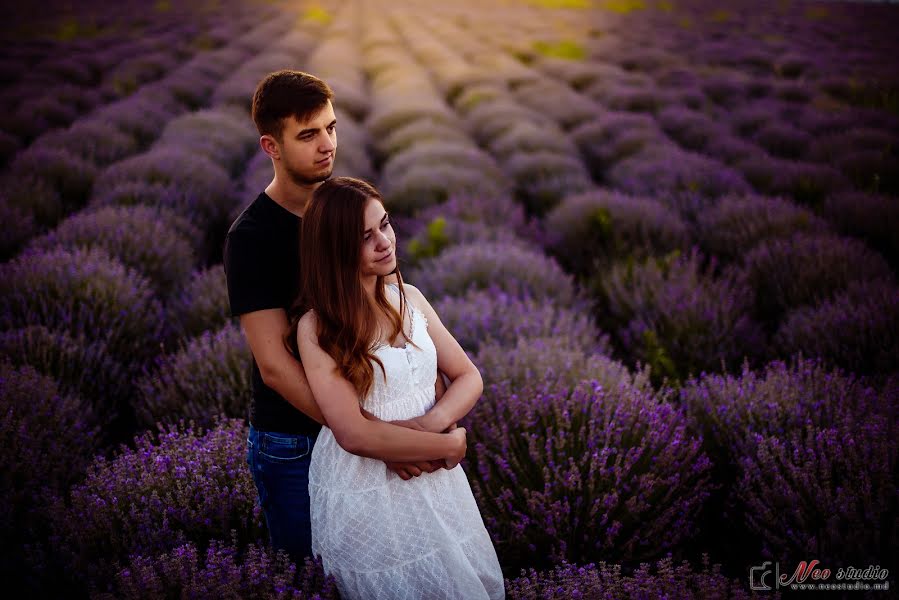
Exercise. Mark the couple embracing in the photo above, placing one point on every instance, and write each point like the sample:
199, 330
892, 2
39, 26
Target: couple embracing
353, 442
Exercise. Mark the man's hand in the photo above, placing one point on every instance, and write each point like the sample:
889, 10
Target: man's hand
407, 471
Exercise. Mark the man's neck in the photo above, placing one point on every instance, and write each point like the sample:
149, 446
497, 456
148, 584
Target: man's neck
291, 196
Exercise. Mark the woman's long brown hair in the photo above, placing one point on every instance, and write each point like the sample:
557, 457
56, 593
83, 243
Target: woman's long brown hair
330, 261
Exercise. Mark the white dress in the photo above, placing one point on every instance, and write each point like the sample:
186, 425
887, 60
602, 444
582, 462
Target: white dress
385, 538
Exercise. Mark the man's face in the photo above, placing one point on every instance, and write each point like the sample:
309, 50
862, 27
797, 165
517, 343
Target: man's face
308, 148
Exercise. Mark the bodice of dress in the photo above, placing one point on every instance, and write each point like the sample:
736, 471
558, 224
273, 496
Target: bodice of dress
408, 390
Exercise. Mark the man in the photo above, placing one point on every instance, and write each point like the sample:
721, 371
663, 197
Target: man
293, 113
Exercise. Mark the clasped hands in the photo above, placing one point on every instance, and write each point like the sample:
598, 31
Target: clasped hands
408, 470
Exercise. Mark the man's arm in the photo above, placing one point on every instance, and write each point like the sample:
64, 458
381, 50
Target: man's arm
264, 330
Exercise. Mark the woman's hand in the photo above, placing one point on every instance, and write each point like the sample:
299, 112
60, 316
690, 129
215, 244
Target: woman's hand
408, 470
461, 446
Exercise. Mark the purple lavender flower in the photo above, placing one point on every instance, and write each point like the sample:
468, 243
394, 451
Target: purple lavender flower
491, 315
513, 268
786, 273
181, 485
543, 178
418, 131
20, 227
95, 141
807, 183
691, 129
783, 140
48, 439
674, 315
68, 174
81, 368
226, 137
202, 304
613, 137
839, 484
857, 329
528, 363
738, 222
732, 411
254, 572
872, 217
666, 168
427, 184
605, 225
210, 376
606, 582
84, 293
584, 474
203, 189
149, 240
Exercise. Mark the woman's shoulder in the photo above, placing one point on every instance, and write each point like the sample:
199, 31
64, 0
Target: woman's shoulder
413, 293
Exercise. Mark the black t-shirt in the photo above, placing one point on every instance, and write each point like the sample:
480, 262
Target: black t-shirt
262, 264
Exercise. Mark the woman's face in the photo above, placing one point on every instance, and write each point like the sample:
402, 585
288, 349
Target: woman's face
378, 241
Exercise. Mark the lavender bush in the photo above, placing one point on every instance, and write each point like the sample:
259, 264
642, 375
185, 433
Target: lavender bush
95, 141
203, 189
81, 368
857, 329
512, 268
675, 316
253, 572
872, 217
785, 273
732, 410
67, 174
605, 225
584, 474
613, 137
666, 168
807, 183
424, 185
528, 363
225, 137
149, 240
839, 483
491, 315
47, 441
19, 229
543, 178
83, 293
606, 582
202, 304
738, 222
209, 377
177, 486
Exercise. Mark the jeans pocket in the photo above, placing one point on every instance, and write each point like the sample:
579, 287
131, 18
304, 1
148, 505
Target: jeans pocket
276, 448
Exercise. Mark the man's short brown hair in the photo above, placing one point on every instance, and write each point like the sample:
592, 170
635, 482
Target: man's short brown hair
284, 94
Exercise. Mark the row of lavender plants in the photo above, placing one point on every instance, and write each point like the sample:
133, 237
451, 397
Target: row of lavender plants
101, 314
546, 268
53, 77
787, 273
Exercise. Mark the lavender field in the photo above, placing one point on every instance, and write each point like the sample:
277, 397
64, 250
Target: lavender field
667, 232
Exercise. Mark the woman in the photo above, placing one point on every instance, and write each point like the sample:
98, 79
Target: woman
362, 341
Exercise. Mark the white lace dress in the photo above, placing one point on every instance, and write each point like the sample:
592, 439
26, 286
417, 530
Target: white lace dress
385, 538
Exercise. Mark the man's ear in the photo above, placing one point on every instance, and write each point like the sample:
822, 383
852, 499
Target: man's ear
270, 146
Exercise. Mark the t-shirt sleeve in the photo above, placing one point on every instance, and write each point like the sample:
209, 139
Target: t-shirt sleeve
252, 285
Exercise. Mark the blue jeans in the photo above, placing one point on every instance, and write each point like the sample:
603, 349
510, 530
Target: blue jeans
280, 463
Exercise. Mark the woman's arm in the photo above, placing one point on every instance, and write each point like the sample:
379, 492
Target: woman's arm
465, 385
339, 404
